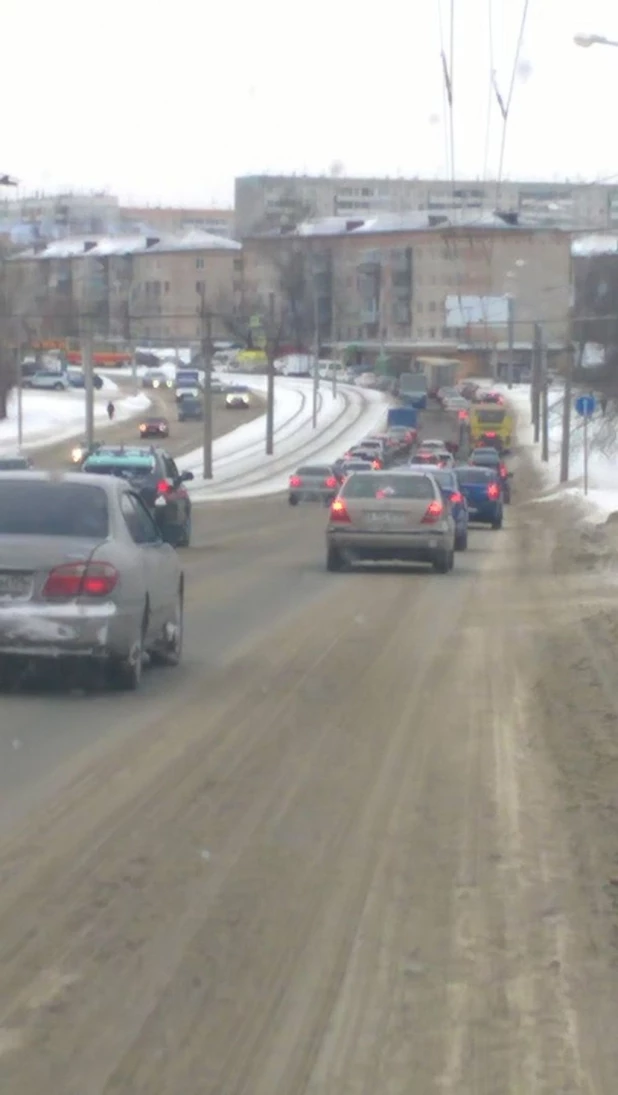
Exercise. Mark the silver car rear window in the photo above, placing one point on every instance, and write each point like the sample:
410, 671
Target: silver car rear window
32, 508
399, 486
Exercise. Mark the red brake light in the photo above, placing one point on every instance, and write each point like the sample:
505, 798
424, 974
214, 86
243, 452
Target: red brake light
433, 513
331, 482
163, 486
456, 498
338, 512
463, 415
80, 580
492, 433
295, 480
493, 490
376, 465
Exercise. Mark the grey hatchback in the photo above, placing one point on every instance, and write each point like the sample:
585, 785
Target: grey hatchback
390, 515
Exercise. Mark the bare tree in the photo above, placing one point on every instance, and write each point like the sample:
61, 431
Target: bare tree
19, 322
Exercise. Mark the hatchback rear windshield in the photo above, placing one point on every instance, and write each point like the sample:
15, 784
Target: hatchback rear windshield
475, 475
490, 418
31, 508
399, 486
123, 471
315, 469
489, 459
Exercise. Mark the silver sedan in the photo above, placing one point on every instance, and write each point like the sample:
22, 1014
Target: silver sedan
390, 515
85, 577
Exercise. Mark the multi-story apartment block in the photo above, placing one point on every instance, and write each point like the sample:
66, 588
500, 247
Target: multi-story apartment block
423, 282
264, 202
58, 216
219, 222
131, 288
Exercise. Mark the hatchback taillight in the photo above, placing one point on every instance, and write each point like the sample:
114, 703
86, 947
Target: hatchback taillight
493, 491
503, 471
433, 512
163, 487
295, 480
456, 498
339, 513
80, 580
331, 482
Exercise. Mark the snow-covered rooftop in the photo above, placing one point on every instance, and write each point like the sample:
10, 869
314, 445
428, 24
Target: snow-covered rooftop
131, 244
414, 220
195, 239
587, 246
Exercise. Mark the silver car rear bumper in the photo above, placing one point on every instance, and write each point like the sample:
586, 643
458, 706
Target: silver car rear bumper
63, 630
422, 545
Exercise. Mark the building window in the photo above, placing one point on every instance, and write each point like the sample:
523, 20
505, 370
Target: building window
199, 264
200, 286
432, 332
167, 286
432, 305
237, 264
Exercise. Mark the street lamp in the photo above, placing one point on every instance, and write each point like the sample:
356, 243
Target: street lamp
587, 40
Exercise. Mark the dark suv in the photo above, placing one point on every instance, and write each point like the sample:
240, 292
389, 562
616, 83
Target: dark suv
154, 475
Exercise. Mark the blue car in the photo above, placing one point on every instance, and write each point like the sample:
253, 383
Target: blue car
482, 489
446, 479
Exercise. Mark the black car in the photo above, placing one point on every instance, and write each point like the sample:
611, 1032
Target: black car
154, 427
154, 475
190, 409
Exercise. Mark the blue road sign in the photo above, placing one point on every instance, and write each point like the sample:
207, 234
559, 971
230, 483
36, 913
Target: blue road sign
585, 405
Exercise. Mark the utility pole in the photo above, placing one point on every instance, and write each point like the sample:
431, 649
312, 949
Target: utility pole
20, 404
535, 388
86, 341
316, 353
511, 338
544, 406
207, 359
565, 445
270, 378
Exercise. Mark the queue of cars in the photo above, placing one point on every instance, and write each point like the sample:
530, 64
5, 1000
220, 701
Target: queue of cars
393, 496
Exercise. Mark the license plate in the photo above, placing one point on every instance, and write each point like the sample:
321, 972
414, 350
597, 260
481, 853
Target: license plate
386, 520
15, 586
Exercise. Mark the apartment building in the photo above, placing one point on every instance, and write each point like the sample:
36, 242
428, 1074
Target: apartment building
170, 219
423, 282
266, 202
55, 216
130, 288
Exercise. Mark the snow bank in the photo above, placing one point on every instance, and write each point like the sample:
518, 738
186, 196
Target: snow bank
602, 497
50, 417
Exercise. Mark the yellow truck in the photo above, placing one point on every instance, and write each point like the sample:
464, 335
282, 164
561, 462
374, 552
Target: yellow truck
491, 424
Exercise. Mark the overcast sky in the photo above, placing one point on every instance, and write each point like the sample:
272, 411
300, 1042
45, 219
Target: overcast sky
167, 102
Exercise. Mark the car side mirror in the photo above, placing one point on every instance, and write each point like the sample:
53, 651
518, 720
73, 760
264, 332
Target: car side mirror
186, 477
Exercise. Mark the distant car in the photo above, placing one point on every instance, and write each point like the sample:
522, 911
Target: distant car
481, 396
429, 444
313, 483
190, 409
390, 515
482, 490
448, 483
359, 452
349, 466
238, 399
439, 458
156, 426
402, 437
78, 380
15, 462
45, 381
153, 475
85, 577
489, 458
156, 378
